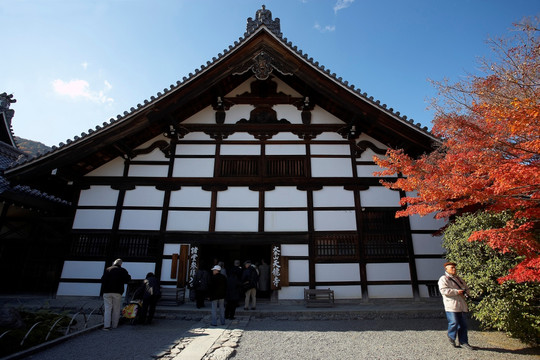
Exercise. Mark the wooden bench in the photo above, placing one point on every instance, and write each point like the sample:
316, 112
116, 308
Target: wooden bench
172, 295
318, 297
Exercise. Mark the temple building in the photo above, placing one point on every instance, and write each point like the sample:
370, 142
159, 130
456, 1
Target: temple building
261, 153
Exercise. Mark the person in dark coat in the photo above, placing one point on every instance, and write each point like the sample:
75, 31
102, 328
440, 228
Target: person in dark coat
200, 285
234, 291
151, 294
250, 278
217, 292
113, 280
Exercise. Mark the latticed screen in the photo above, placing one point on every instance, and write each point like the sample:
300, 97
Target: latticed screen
90, 244
384, 236
262, 166
127, 246
341, 246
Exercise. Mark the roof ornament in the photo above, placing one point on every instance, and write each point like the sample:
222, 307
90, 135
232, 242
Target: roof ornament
264, 17
5, 101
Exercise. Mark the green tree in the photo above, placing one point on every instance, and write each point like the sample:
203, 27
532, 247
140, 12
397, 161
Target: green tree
510, 307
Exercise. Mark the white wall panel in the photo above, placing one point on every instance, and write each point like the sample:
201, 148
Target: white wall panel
368, 170
236, 149
285, 196
331, 149
144, 196
237, 221
285, 88
83, 269
333, 196
197, 136
365, 137
93, 219
389, 291
154, 155
285, 221
238, 197
284, 136
190, 196
188, 221
285, 149
205, 116
388, 272
368, 155
328, 167
429, 269
78, 289
138, 270
193, 167
329, 136
426, 244
321, 116
337, 272
345, 292
140, 220
294, 250
98, 195
335, 220
379, 196
288, 112
114, 167
427, 222
148, 170
291, 293
195, 149
298, 270
236, 113
166, 266
169, 249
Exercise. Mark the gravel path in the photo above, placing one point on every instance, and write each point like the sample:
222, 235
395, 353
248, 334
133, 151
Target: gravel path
369, 339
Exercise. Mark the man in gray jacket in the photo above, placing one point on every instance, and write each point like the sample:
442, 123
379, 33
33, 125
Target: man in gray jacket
454, 291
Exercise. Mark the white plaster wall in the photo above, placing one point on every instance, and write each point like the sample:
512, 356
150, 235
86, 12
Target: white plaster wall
98, 195
334, 220
188, 221
298, 271
365, 137
195, 149
328, 136
285, 149
427, 222
377, 196
345, 292
294, 250
78, 289
169, 249
93, 219
285, 221
191, 196
83, 269
144, 196
285, 88
337, 272
166, 266
114, 167
285, 196
321, 116
245, 87
330, 149
237, 112
331, 167
285, 136
140, 220
368, 155
148, 170
333, 196
368, 170
426, 244
154, 155
205, 116
291, 293
240, 136
138, 270
388, 272
235, 149
237, 197
429, 269
193, 167
389, 291
423, 291
237, 221
197, 136
288, 112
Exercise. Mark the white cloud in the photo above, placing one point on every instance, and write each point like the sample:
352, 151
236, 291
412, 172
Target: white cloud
84, 65
342, 4
76, 89
327, 28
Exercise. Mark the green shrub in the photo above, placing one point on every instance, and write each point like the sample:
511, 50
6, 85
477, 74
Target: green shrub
509, 307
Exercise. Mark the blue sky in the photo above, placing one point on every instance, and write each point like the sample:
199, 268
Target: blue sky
74, 64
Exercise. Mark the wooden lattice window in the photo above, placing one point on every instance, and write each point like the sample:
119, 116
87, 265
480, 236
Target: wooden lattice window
133, 245
255, 166
239, 166
285, 167
89, 244
384, 236
337, 246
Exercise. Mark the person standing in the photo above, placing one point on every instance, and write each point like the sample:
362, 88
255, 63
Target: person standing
218, 291
234, 290
113, 280
200, 284
151, 295
249, 284
264, 279
454, 290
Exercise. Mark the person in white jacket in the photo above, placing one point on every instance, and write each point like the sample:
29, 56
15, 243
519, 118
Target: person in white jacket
454, 291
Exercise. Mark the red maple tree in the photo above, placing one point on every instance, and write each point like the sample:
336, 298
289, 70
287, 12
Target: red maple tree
489, 152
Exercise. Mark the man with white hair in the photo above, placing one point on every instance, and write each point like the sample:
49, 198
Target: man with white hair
113, 281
